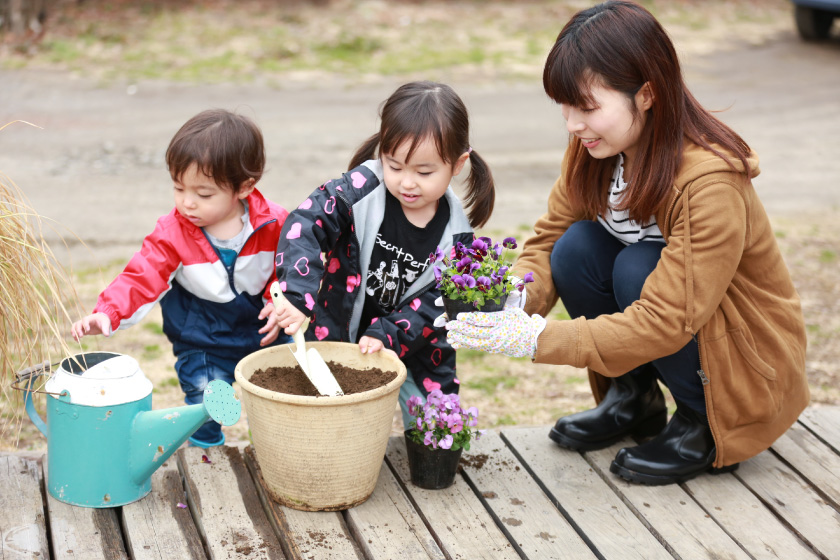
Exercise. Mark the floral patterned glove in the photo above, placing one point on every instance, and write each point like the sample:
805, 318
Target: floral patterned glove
511, 332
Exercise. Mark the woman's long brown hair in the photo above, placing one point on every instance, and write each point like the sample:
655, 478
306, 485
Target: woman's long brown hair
620, 45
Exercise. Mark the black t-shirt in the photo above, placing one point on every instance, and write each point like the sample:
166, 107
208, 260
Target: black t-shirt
400, 255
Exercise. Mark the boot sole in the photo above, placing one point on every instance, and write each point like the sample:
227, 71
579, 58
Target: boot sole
661, 480
646, 428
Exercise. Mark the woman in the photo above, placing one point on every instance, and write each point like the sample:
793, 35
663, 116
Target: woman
662, 253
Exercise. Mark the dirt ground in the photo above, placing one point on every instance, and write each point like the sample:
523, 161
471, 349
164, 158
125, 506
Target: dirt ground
95, 170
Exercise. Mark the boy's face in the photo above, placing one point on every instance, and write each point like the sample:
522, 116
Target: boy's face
204, 203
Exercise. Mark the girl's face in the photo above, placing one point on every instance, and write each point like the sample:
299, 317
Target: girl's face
204, 203
610, 126
419, 183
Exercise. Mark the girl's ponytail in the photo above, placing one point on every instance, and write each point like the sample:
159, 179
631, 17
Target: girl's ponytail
365, 152
481, 191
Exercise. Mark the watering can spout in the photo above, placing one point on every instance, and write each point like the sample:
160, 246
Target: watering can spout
157, 434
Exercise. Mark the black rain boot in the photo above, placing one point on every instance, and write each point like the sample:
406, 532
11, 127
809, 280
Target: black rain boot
683, 450
634, 404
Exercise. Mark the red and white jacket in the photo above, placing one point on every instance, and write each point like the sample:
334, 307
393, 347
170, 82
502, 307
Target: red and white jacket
205, 304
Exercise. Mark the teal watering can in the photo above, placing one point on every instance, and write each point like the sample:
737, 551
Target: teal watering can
104, 441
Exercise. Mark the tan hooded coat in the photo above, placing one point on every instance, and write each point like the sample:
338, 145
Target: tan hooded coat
720, 278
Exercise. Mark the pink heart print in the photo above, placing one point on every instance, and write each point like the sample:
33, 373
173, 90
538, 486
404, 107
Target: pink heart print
358, 180
353, 281
436, 357
430, 385
415, 304
305, 265
283, 286
321, 333
306, 204
333, 266
310, 303
427, 331
407, 324
278, 259
294, 231
403, 350
319, 223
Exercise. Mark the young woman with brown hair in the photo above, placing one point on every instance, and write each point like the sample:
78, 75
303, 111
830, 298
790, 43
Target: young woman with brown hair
661, 252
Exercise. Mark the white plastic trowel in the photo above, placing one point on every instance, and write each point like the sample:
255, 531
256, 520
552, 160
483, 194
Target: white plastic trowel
310, 361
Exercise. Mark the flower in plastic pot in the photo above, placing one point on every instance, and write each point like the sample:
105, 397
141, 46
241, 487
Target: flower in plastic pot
476, 277
441, 430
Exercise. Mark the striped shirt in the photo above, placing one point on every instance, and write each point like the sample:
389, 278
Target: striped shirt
618, 222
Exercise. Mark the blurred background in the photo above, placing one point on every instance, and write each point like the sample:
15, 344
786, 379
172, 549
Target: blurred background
108, 82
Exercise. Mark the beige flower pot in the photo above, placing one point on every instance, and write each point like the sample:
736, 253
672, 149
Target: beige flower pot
320, 453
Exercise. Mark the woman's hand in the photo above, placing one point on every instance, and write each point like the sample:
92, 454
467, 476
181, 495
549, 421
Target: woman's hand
370, 345
511, 332
98, 323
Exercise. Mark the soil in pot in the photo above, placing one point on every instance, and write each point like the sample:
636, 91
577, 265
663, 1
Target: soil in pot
292, 380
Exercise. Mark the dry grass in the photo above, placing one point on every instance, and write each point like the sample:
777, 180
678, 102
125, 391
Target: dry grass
33, 290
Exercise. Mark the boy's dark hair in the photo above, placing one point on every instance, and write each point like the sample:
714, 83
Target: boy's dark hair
421, 110
620, 45
225, 146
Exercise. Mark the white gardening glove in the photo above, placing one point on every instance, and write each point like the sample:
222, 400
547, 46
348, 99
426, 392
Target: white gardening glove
511, 332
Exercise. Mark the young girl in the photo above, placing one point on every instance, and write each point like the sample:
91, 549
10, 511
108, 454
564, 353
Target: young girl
377, 226
660, 249
208, 262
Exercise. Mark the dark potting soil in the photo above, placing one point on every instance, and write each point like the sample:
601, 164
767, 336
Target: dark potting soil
292, 380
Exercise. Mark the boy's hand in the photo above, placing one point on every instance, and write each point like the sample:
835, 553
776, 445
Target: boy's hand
97, 323
370, 345
271, 328
288, 317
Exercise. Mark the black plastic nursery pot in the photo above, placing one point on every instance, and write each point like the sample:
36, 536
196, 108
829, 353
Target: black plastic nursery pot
455, 306
431, 468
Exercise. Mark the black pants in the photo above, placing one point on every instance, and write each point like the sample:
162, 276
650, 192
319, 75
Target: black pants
595, 274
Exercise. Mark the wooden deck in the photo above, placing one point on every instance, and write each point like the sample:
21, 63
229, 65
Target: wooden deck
519, 496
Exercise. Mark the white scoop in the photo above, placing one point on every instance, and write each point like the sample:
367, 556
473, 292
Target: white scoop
310, 361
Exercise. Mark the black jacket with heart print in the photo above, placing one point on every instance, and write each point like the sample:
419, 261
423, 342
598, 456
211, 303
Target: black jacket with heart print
340, 220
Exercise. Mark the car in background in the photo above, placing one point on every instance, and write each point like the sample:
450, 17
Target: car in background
815, 17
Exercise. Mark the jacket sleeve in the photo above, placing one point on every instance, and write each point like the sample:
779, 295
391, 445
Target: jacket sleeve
536, 252
280, 214
146, 278
314, 228
695, 270
410, 327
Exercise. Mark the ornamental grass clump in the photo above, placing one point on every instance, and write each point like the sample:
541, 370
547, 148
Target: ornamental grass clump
441, 421
479, 273
33, 289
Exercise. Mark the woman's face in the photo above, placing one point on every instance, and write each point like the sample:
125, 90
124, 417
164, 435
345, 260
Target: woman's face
610, 126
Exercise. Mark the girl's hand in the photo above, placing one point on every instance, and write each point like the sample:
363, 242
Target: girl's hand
509, 332
97, 323
370, 345
271, 328
288, 317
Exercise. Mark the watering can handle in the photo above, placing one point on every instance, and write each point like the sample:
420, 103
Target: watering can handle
29, 375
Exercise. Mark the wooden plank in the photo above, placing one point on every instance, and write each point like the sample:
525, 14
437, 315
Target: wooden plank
534, 526
23, 530
812, 460
682, 525
825, 422
225, 505
746, 519
455, 516
599, 514
302, 534
387, 526
83, 533
792, 499
155, 527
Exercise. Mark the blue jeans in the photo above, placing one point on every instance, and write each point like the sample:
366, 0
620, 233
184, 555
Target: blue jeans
595, 274
197, 368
